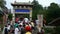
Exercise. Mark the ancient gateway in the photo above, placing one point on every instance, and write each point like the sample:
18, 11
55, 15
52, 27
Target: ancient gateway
22, 9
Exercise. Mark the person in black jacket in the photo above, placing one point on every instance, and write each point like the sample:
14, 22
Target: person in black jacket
6, 30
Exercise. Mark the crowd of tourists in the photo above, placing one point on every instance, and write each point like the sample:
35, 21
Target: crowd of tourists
21, 26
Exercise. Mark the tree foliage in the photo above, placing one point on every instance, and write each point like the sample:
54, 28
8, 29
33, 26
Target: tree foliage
50, 13
10, 16
53, 12
2, 3
36, 8
57, 30
2, 6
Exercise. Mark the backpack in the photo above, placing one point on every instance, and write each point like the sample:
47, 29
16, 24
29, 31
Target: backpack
6, 31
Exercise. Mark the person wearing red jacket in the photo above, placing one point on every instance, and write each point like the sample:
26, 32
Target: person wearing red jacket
27, 28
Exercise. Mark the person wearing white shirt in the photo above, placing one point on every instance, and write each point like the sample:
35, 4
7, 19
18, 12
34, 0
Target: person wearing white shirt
37, 22
8, 27
16, 30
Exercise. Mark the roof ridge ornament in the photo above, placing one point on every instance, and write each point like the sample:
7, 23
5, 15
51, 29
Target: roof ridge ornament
15, 1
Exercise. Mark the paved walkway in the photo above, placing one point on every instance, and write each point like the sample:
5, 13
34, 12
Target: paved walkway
33, 32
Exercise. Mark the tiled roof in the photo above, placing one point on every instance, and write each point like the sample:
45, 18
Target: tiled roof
23, 3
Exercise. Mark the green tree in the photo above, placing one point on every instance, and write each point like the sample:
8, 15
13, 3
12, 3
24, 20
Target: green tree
53, 12
44, 12
57, 30
2, 6
2, 3
10, 16
36, 8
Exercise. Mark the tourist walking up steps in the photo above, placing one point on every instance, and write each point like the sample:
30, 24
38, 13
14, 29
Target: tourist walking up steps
5, 30
16, 30
28, 29
8, 27
21, 29
12, 30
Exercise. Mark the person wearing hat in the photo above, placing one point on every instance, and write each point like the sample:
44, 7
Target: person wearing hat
28, 32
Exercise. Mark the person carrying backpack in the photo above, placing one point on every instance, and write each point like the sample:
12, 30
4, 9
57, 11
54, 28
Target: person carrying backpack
5, 30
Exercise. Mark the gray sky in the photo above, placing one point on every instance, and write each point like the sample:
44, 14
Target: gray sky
42, 2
